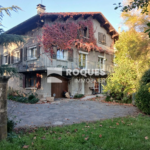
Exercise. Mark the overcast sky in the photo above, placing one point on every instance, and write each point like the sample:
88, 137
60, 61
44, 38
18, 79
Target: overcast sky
29, 9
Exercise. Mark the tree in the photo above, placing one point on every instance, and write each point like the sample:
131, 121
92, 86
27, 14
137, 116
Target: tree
142, 6
6, 39
131, 61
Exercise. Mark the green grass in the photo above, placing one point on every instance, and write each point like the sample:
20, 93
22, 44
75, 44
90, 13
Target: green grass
113, 134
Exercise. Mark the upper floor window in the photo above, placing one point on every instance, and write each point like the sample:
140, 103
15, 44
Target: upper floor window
16, 56
101, 38
32, 53
83, 60
62, 54
85, 32
101, 62
5, 61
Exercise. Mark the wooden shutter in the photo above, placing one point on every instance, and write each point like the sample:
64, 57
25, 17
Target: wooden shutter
24, 81
1, 58
38, 81
70, 55
25, 53
100, 37
8, 58
21, 55
12, 57
54, 54
38, 50
104, 39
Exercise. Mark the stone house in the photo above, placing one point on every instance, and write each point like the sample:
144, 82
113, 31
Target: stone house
32, 63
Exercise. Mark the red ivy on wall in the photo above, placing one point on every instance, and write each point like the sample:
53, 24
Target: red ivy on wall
69, 34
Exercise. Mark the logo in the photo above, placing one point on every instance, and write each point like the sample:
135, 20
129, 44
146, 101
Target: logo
53, 71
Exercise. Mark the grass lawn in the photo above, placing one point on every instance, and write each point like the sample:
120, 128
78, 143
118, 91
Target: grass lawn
129, 133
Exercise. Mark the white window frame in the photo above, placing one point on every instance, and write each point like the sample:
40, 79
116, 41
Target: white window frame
29, 53
5, 63
99, 63
84, 53
16, 58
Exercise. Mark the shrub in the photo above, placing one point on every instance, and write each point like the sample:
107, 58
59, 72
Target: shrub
31, 97
108, 98
78, 96
10, 125
143, 98
34, 100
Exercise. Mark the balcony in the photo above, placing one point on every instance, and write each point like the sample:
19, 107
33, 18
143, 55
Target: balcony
43, 63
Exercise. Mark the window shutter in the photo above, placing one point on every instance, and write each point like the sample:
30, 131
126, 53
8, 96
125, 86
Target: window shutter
100, 37
38, 81
1, 58
104, 39
38, 50
21, 55
25, 53
12, 58
8, 58
70, 55
24, 81
54, 54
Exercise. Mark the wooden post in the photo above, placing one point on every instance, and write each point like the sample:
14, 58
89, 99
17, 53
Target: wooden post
3, 106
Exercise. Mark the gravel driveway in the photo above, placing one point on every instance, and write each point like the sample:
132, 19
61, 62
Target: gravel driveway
65, 112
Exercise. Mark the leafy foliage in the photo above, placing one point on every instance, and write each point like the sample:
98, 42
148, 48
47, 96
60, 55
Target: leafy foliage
143, 4
8, 70
131, 55
66, 35
78, 96
143, 93
6, 39
10, 125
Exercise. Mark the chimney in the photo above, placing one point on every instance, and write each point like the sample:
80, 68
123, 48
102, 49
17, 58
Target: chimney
40, 8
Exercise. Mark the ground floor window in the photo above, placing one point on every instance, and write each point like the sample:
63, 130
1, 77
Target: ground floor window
33, 80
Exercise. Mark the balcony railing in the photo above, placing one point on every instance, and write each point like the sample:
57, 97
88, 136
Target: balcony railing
44, 62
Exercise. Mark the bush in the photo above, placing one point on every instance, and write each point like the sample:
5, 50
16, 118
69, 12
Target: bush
34, 100
31, 97
10, 125
143, 98
78, 96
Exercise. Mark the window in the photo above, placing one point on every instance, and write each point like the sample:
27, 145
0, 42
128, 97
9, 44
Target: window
16, 56
102, 38
85, 34
82, 61
31, 80
62, 54
31, 53
5, 60
101, 62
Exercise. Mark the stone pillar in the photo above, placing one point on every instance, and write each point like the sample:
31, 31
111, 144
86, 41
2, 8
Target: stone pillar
3, 106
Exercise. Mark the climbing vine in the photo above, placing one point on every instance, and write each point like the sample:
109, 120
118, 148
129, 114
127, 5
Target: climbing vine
69, 34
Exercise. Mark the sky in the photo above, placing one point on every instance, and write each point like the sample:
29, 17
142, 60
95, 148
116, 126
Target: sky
29, 9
